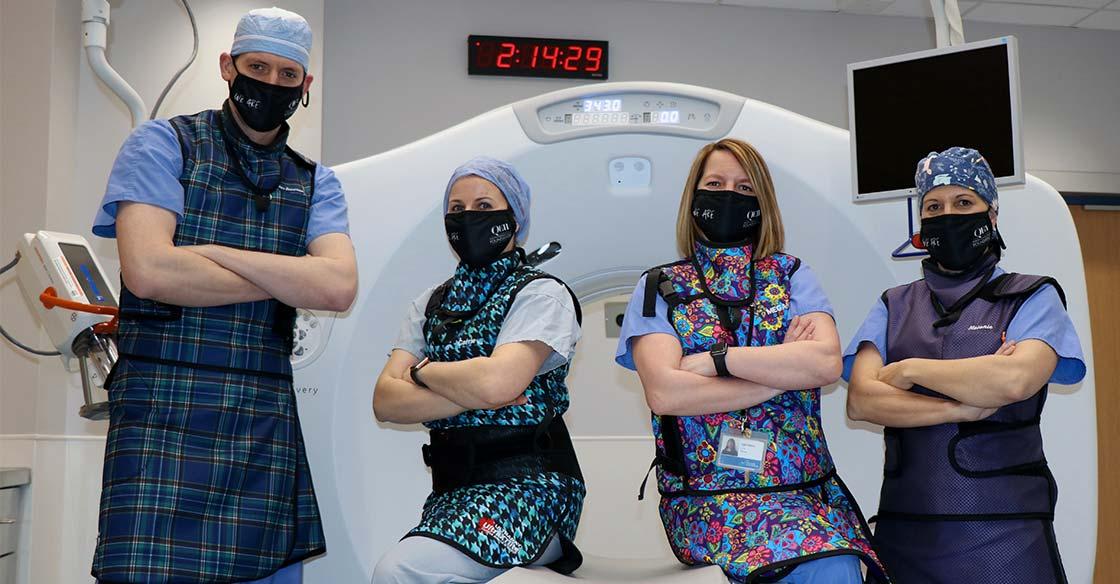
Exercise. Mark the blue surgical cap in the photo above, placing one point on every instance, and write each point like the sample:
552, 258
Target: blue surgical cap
959, 166
507, 179
276, 31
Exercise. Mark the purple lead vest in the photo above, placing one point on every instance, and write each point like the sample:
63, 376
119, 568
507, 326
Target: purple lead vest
757, 527
979, 493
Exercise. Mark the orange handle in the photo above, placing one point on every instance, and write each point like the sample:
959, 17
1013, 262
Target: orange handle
108, 327
50, 299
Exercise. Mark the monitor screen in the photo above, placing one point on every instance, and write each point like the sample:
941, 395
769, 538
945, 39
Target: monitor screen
905, 107
89, 277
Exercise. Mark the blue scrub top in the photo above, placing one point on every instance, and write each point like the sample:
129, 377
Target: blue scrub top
147, 171
1042, 317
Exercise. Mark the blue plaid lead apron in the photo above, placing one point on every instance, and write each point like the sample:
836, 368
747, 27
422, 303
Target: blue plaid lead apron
511, 522
205, 476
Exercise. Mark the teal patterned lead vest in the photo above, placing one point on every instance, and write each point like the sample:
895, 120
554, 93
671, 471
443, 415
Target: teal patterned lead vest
508, 522
485, 294
219, 207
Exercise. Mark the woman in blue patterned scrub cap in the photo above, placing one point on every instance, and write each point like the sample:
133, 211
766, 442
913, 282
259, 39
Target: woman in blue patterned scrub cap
955, 366
481, 361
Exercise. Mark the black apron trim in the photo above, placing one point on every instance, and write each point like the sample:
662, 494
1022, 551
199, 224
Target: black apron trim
887, 515
972, 429
757, 490
204, 367
545, 276
649, 301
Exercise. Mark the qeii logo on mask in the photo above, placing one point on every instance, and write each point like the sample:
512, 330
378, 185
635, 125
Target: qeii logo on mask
981, 235
753, 218
498, 233
489, 527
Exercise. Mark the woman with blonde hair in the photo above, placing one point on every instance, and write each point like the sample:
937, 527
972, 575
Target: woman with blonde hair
734, 342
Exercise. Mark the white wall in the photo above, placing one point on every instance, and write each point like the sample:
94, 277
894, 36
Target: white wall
61, 130
398, 68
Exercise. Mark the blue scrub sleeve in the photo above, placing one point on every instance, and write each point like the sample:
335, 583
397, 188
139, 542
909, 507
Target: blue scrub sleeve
148, 167
147, 171
806, 294
1044, 318
328, 206
635, 325
874, 331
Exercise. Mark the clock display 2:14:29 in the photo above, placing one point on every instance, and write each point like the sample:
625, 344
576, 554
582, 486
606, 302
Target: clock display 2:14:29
534, 57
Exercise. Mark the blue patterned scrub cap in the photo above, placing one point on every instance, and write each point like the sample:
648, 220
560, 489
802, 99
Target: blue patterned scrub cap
959, 166
276, 31
507, 179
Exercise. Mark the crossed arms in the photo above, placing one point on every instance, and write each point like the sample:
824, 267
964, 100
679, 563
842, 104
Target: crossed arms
211, 275
975, 386
809, 357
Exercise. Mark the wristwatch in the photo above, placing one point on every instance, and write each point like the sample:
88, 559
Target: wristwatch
414, 371
719, 357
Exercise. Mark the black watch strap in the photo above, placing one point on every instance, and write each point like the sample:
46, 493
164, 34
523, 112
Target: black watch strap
414, 373
719, 357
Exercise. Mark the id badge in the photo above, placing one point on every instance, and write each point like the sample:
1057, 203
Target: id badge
742, 448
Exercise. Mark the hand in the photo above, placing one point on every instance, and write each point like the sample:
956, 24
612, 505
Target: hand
700, 364
895, 374
519, 401
800, 329
1006, 349
972, 413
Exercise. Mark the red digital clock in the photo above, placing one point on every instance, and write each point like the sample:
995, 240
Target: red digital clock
534, 57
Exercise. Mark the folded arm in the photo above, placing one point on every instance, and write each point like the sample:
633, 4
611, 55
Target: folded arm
397, 399
878, 402
153, 268
488, 382
326, 278
802, 365
808, 357
988, 381
672, 390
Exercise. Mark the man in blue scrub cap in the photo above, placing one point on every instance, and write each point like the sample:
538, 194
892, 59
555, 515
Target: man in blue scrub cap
956, 366
223, 230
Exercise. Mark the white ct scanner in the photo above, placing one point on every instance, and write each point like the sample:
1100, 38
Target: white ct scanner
607, 188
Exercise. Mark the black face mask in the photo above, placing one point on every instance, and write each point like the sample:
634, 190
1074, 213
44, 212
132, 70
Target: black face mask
263, 106
726, 217
958, 241
480, 237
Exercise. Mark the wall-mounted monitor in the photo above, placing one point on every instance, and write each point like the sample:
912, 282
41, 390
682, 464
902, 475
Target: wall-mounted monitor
901, 108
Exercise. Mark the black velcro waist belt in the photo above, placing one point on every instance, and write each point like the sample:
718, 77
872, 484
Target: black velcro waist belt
461, 457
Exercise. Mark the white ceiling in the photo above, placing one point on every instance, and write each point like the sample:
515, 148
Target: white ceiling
1095, 14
